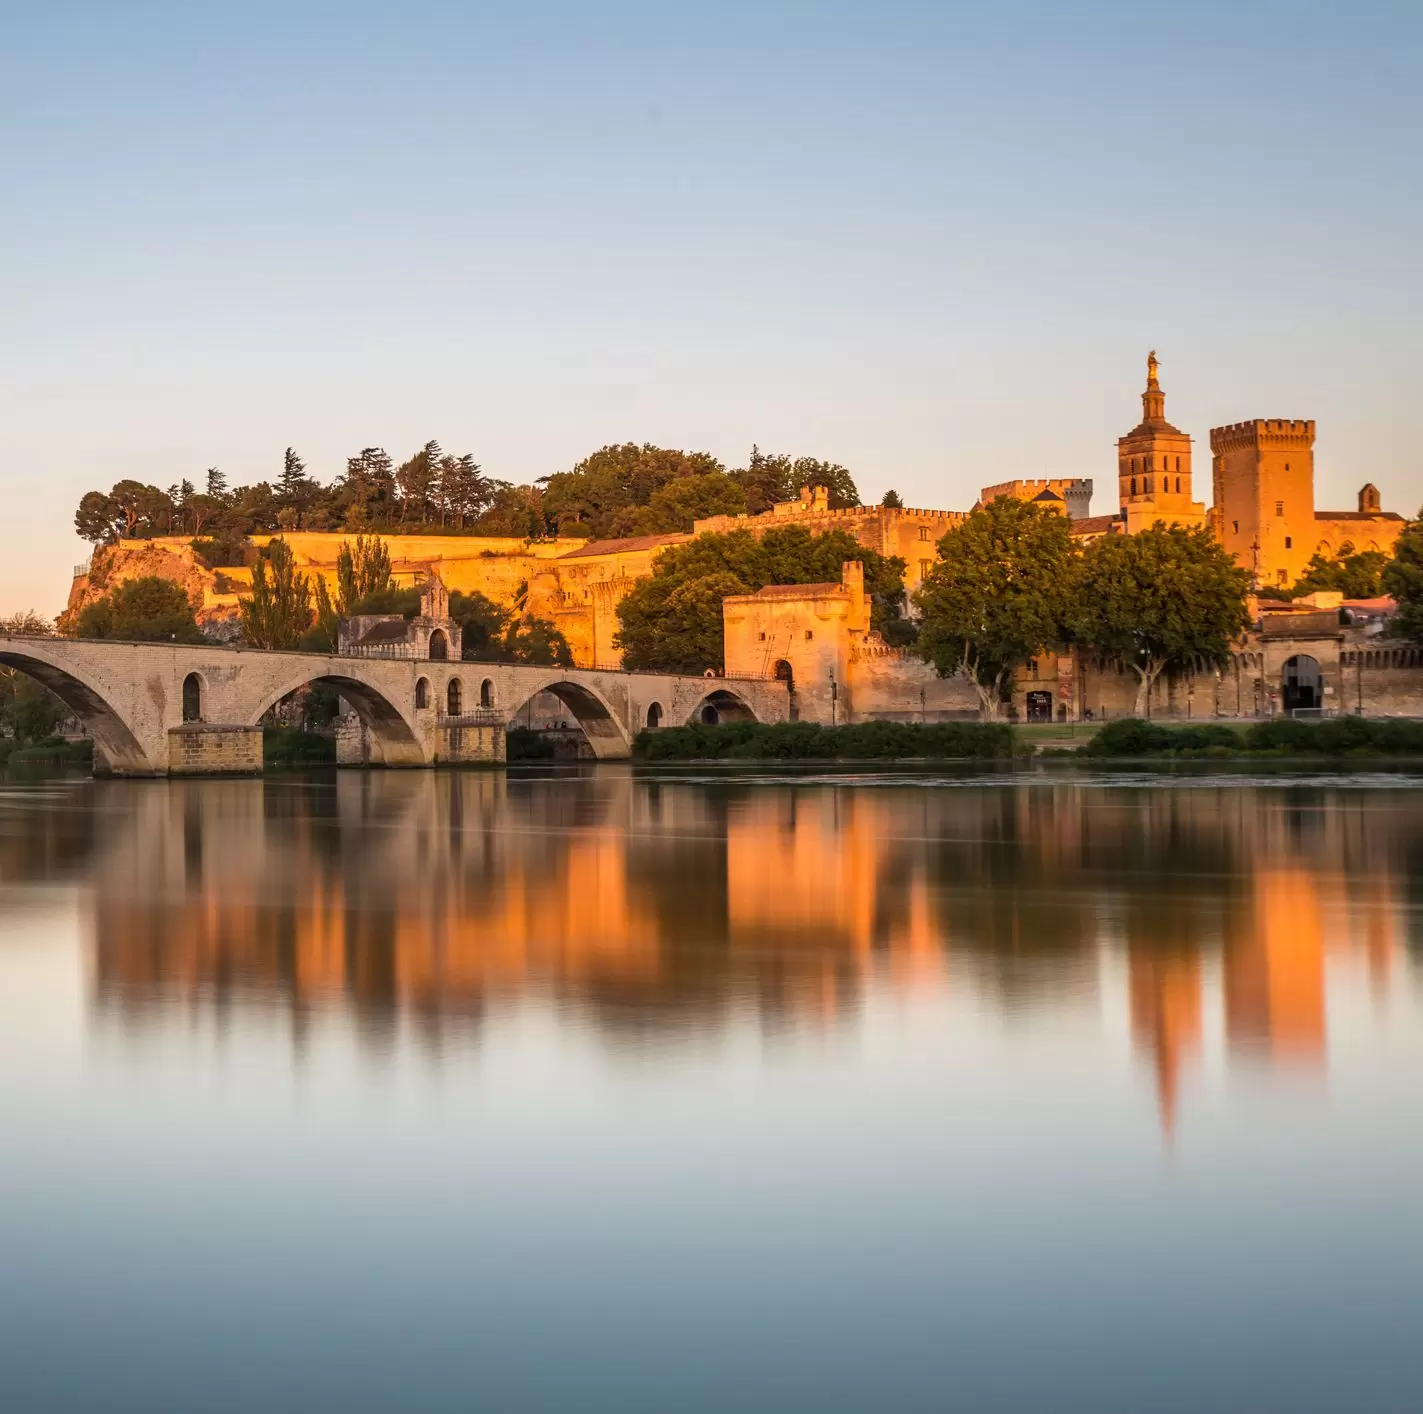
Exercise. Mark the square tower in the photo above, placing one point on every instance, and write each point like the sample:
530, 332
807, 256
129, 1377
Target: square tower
1263, 475
1154, 466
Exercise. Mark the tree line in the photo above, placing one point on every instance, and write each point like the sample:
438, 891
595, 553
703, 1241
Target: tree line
620, 490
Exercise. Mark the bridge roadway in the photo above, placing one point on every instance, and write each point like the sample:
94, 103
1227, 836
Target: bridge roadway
157, 708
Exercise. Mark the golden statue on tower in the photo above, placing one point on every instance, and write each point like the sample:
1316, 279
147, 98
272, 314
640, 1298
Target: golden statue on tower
1151, 367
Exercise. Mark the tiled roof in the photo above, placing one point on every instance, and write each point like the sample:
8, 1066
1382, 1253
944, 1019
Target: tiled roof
1093, 525
618, 547
1357, 515
798, 591
387, 631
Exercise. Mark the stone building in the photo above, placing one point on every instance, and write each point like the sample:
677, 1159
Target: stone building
431, 634
1264, 513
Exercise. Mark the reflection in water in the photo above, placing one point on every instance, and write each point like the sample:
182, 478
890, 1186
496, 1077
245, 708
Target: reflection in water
664, 909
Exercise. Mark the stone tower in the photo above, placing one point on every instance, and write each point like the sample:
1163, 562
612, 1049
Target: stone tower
1263, 474
1154, 466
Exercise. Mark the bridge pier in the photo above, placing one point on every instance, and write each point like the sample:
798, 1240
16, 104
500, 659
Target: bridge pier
209, 749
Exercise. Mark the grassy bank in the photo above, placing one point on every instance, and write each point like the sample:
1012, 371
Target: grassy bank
287, 749
1133, 739
807, 741
54, 751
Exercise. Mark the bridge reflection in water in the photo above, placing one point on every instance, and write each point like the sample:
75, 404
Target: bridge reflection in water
665, 912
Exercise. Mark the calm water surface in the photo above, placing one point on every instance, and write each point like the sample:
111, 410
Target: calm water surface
689, 1092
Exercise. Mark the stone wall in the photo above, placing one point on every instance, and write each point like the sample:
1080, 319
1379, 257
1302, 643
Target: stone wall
201, 749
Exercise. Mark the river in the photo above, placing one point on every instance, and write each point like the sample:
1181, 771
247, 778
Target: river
600, 1089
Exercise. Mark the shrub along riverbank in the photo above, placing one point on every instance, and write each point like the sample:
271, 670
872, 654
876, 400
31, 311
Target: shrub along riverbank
53, 751
1132, 738
807, 741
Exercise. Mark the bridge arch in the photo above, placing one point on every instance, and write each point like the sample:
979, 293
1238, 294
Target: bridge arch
392, 735
116, 747
723, 705
594, 713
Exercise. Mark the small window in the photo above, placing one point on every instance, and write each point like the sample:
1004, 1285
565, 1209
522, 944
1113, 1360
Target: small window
1235, 526
486, 693
1178, 468
1133, 486
808, 635
923, 532
422, 694
192, 698
924, 567
1282, 576
1178, 483
1279, 508
762, 637
452, 698
1289, 542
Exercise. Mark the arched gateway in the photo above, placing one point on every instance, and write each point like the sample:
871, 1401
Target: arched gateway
161, 708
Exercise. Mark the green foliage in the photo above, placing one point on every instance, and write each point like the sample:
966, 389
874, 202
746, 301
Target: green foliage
672, 620
679, 504
50, 751
493, 634
590, 499
390, 600
279, 610
1162, 598
1403, 579
1338, 736
227, 550
771, 478
891, 500
1132, 737
1354, 575
362, 569
288, 749
523, 744
999, 594
146, 610
807, 741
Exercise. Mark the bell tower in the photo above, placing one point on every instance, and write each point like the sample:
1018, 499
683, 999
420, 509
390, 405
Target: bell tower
1154, 465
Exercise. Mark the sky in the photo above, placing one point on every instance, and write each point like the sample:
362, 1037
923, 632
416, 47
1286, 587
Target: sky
930, 241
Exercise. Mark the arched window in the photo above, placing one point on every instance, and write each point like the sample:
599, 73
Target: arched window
486, 693
422, 694
654, 716
192, 698
439, 646
1133, 486
1178, 480
1178, 468
453, 700
785, 673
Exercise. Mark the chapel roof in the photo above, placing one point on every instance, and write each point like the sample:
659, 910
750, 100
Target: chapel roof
393, 630
622, 546
1357, 515
798, 591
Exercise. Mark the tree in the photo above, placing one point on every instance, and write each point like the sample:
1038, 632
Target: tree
891, 500
99, 518
361, 570
493, 634
295, 490
771, 478
679, 504
1162, 598
516, 511
324, 636
145, 610
672, 620
998, 595
1403, 579
1355, 575
416, 480
279, 610
587, 500
216, 484
461, 489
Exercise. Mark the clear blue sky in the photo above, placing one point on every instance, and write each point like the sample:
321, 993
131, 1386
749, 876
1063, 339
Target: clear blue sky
931, 241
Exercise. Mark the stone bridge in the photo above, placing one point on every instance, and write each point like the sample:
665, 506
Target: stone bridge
158, 708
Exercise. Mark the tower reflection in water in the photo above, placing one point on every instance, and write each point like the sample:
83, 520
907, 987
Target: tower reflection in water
662, 910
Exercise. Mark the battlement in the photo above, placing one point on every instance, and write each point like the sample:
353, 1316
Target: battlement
1263, 432
1034, 485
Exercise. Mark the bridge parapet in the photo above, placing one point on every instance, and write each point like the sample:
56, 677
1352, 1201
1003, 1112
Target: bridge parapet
133, 698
